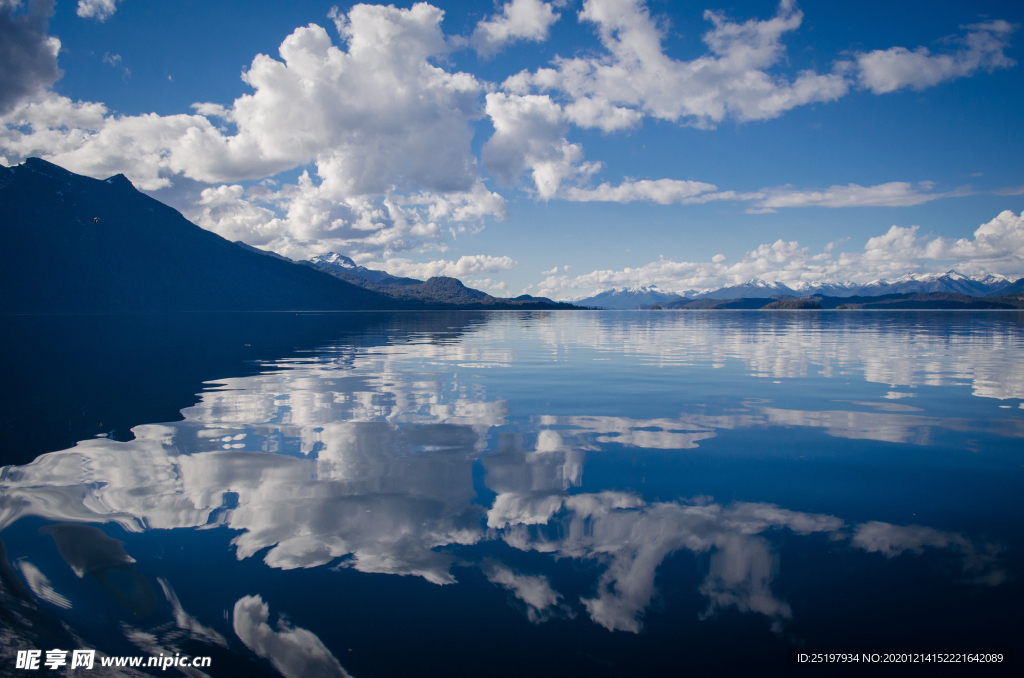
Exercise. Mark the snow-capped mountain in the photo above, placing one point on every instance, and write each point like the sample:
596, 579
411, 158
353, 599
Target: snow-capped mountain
749, 290
802, 288
1015, 287
339, 262
626, 298
950, 281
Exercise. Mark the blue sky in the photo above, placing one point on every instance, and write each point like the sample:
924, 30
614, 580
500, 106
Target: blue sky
688, 145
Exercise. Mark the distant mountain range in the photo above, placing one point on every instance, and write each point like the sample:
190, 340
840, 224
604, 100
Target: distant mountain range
437, 290
913, 283
73, 244
344, 267
628, 298
950, 282
906, 301
754, 288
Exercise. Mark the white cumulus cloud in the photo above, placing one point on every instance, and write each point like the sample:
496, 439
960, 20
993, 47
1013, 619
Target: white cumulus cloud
387, 131
739, 77
519, 20
983, 48
306, 218
100, 10
529, 135
997, 245
497, 288
463, 266
635, 77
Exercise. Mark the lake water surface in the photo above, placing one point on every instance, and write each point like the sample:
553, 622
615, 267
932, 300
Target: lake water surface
547, 494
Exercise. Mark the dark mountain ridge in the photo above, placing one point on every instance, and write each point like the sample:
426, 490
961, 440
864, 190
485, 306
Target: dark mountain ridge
923, 300
73, 244
709, 303
78, 245
442, 290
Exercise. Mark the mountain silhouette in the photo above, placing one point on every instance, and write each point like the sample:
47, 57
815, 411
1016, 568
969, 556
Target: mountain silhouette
73, 244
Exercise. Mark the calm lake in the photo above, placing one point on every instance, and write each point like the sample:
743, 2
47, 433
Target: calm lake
510, 494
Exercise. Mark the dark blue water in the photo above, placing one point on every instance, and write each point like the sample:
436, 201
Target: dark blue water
508, 494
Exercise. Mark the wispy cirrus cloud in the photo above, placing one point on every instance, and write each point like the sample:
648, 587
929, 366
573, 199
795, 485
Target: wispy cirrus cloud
661, 191
891, 194
673, 191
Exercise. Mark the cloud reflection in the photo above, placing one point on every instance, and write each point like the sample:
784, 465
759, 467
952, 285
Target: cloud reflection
534, 592
40, 585
374, 496
364, 459
892, 424
909, 349
294, 651
980, 563
633, 538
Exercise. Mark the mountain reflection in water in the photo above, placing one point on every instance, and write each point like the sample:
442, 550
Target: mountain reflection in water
481, 450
